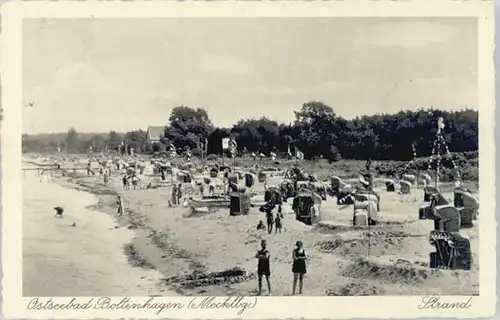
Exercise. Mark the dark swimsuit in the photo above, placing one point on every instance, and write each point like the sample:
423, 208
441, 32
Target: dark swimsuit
277, 221
263, 267
269, 217
299, 265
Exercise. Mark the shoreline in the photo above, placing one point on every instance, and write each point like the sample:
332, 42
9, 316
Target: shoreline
156, 245
129, 221
84, 249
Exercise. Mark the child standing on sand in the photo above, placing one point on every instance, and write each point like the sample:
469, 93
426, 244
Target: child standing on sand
277, 221
269, 218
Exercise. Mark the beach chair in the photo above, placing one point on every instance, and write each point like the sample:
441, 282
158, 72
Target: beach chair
463, 198
307, 206
390, 185
446, 218
239, 204
405, 187
426, 212
466, 217
452, 251
249, 180
371, 210
360, 218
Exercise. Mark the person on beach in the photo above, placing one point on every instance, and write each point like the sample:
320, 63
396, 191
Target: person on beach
261, 225
59, 212
125, 182
269, 218
106, 176
179, 194
202, 189
277, 221
135, 181
263, 266
119, 203
299, 265
174, 195
211, 189
89, 164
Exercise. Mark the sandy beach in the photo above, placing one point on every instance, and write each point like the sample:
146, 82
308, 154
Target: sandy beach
83, 260
391, 258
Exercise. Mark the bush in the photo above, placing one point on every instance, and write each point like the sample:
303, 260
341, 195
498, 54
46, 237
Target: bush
468, 167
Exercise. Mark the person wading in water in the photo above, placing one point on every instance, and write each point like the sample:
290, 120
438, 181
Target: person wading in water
263, 266
299, 266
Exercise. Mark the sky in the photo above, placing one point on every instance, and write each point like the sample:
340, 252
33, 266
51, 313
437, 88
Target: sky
124, 74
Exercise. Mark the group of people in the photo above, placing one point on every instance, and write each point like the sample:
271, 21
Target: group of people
272, 219
299, 266
127, 179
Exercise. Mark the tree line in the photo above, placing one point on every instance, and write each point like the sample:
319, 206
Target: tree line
316, 132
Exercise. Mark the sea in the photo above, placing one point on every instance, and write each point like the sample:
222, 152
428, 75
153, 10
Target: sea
80, 254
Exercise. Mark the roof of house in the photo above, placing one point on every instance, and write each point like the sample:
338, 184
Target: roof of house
156, 132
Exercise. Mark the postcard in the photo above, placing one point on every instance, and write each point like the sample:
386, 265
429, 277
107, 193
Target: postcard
253, 160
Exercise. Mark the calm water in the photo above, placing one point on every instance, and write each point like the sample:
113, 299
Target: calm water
60, 259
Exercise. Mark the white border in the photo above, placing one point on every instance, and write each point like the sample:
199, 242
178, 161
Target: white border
268, 307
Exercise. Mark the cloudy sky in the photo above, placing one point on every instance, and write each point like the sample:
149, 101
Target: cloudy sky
123, 74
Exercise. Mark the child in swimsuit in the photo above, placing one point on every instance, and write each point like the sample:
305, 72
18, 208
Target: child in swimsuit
277, 221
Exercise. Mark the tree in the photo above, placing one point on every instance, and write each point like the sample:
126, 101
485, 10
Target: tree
188, 127
73, 143
97, 142
317, 131
256, 135
114, 139
137, 140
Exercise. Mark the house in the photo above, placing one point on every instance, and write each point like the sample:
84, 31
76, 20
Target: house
155, 133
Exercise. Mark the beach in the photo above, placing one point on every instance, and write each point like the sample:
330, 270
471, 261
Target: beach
87, 259
168, 248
